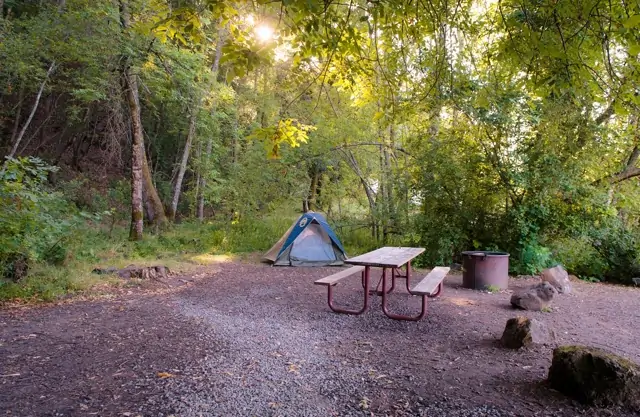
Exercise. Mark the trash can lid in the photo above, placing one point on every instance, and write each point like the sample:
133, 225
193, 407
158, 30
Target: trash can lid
484, 253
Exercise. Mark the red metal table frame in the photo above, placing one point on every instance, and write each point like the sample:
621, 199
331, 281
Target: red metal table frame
393, 258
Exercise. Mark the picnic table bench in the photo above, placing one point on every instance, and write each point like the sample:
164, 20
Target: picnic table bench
393, 258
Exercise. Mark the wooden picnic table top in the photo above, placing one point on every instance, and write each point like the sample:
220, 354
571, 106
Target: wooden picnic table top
386, 257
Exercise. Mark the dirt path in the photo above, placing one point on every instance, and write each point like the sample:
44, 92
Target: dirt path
256, 340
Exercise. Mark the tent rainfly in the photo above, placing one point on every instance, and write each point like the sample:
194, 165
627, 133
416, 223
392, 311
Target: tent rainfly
310, 241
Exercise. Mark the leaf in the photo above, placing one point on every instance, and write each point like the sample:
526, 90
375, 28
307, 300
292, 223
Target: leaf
163, 375
632, 22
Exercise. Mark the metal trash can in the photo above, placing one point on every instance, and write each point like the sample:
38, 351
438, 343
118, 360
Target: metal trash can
481, 269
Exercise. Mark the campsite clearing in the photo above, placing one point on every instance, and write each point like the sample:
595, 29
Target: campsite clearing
250, 339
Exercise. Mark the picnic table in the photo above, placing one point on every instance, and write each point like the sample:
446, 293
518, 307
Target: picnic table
393, 260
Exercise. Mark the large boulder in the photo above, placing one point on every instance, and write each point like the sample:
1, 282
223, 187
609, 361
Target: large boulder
523, 332
534, 298
595, 377
558, 277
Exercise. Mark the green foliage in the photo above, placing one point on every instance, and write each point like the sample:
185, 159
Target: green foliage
34, 221
579, 256
533, 258
448, 125
287, 131
620, 248
492, 288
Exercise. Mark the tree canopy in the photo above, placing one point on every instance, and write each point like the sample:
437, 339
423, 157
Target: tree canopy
476, 124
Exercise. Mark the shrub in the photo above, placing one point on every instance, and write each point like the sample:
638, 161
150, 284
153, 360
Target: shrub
579, 256
620, 248
34, 222
609, 252
532, 258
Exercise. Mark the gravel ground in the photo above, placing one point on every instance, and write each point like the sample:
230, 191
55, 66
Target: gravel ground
252, 340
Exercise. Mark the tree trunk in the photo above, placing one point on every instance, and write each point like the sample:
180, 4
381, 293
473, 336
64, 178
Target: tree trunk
203, 180
198, 180
33, 112
149, 212
387, 196
313, 188
137, 142
16, 122
183, 164
159, 219
140, 172
137, 156
368, 191
631, 170
214, 69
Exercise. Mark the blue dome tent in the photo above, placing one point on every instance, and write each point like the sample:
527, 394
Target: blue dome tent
310, 241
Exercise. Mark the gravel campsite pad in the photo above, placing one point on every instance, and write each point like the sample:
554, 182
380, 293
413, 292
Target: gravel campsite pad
249, 339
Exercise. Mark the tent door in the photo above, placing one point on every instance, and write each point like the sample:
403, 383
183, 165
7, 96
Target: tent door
312, 246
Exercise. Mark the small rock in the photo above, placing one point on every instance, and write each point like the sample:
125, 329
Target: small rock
595, 377
558, 277
523, 332
535, 298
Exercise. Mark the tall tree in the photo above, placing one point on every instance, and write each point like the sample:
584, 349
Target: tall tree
137, 143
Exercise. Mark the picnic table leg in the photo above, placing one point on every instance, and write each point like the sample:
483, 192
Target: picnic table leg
407, 276
377, 290
365, 284
399, 274
382, 281
389, 314
438, 291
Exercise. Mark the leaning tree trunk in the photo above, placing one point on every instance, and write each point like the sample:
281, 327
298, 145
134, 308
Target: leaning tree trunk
183, 163
159, 218
140, 173
36, 103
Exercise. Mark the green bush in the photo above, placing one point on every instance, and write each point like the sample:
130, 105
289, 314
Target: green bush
609, 252
532, 258
34, 221
579, 256
620, 248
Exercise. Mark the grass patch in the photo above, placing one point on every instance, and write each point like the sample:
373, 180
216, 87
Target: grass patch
209, 259
47, 283
182, 248
492, 288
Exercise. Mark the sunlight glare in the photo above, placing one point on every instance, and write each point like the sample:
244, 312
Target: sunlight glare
264, 33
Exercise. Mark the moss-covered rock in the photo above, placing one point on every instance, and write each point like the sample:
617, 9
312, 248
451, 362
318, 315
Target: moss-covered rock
523, 332
595, 377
